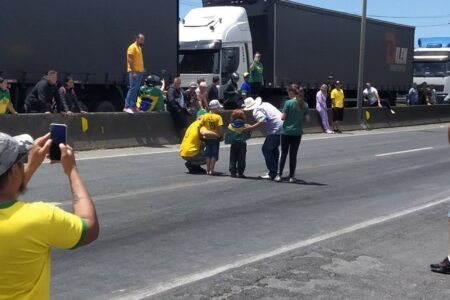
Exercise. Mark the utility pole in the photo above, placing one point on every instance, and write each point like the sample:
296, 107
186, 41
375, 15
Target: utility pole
362, 50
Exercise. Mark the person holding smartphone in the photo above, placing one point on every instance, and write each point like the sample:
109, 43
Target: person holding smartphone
37, 227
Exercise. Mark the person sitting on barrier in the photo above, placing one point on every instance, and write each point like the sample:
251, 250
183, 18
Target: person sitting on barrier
5, 98
191, 148
373, 98
212, 121
68, 96
44, 97
192, 102
322, 108
151, 97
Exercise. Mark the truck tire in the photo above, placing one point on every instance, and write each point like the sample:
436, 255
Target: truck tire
105, 106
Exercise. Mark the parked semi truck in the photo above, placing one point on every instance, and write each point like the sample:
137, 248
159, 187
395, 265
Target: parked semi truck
87, 39
299, 44
432, 65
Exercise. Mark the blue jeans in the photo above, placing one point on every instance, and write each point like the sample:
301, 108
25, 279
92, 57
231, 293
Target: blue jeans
135, 84
271, 153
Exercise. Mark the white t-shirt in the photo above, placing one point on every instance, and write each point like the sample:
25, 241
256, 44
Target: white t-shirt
371, 95
271, 116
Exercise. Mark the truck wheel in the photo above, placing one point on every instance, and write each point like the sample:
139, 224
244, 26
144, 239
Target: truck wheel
105, 106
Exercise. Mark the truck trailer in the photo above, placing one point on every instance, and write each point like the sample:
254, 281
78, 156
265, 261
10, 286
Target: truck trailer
299, 44
86, 39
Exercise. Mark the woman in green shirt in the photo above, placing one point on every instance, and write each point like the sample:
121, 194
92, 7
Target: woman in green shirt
295, 111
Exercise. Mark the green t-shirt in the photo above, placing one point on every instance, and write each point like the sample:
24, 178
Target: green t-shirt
5, 97
293, 124
256, 75
150, 99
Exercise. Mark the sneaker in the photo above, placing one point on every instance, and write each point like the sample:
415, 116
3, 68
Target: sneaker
233, 175
242, 176
266, 176
292, 180
329, 131
277, 179
442, 267
135, 110
392, 111
128, 110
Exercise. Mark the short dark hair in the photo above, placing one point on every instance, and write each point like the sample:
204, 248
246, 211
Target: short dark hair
200, 80
67, 79
216, 79
138, 35
52, 72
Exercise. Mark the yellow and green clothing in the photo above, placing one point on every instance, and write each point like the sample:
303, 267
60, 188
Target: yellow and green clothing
150, 99
235, 135
5, 99
28, 231
337, 95
212, 122
138, 58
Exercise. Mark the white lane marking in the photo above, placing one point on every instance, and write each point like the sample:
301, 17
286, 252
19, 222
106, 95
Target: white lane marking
405, 151
184, 280
313, 138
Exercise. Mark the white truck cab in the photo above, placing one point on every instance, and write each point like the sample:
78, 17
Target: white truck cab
432, 65
214, 41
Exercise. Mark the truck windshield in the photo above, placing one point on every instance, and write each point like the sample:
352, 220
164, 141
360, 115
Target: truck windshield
199, 61
431, 68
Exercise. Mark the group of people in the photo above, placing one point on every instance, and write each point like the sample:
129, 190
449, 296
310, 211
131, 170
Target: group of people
423, 95
201, 143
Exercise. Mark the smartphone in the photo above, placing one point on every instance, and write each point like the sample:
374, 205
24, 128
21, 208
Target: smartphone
58, 135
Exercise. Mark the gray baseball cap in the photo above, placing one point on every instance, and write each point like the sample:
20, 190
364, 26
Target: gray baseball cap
12, 149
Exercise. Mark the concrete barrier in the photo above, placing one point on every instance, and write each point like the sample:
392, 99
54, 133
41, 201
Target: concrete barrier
117, 130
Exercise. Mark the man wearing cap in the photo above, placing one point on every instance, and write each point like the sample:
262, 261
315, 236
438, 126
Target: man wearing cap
267, 117
191, 149
190, 96
28, 231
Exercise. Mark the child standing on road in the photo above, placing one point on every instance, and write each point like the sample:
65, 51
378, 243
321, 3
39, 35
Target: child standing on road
5, 98
237, 135
212, 121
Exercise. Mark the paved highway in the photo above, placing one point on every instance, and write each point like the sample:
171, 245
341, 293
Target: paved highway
366, 218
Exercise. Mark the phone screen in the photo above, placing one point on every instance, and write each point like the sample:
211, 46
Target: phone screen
58, 134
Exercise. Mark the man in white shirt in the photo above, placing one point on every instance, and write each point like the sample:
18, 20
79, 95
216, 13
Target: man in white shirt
372, 96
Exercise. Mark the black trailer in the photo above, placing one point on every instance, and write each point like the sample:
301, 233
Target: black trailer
305, 44
87, 39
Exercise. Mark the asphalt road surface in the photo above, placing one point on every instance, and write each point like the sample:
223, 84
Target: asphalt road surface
366, 218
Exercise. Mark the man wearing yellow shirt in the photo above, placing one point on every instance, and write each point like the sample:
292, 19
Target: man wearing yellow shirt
191, 148
28, 231
337, 98
135, 63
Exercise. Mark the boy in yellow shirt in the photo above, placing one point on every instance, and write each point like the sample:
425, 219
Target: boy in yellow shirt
212, 121
5, 98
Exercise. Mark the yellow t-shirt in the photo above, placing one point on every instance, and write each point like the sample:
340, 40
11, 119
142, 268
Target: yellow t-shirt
338, 98
212, 122
190, 146
138, 58
5, 98
27, 233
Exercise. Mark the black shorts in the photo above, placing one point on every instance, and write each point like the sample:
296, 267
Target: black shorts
338, 114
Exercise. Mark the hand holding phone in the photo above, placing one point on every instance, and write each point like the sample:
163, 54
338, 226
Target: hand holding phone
58, 135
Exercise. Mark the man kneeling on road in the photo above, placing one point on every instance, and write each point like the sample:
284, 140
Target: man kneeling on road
191, 149
29, 230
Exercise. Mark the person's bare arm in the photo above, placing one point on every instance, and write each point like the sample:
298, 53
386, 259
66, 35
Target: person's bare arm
378, 99
37, 155
11, 108
130, 59
255, 126
83, 205
283, 116
207, 134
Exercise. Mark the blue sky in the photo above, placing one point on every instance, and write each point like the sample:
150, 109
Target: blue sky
431, 17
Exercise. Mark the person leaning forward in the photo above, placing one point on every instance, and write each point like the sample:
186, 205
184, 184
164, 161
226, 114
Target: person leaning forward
28, 231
